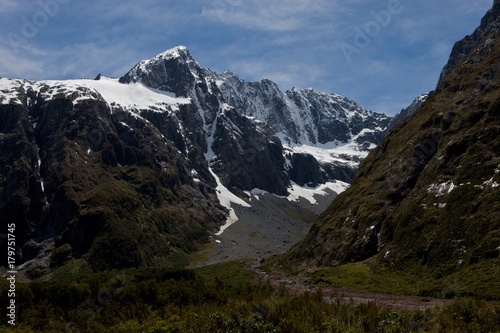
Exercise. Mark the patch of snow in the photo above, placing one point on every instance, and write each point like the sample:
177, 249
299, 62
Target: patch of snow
134, 95
195, 176
441, 189
364, 131
491, 183
227, 198
9, 91
126, 125
332, 152
172, 53
255, 193
308, 193
39, 163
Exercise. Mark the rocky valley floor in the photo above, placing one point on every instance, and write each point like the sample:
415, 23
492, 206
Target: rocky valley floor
271, 225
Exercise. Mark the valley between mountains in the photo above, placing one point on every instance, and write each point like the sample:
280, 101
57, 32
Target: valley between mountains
163, 160
198, 202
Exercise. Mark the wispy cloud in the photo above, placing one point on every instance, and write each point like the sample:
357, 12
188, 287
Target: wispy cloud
9, 6
288, 75
294, 42
25, 66
272, 15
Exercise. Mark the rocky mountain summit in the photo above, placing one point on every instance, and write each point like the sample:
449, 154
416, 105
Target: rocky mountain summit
142, 169
228, 105
410, 109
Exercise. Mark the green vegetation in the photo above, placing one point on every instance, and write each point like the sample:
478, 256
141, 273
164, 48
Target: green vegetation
481, 280
219, 298
126, 217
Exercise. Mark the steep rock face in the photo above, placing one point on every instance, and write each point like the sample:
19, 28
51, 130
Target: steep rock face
476, 43
303, 116
229, 140
173, 71
94, 178
428, 195
246, 158
21, 190
336, 118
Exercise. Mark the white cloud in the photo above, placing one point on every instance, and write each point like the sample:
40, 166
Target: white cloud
73, 61
9, 6
271, 15
88, 60
286, 74
294, 42
26, 66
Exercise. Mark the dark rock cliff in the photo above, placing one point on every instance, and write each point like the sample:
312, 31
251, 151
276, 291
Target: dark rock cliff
95, 181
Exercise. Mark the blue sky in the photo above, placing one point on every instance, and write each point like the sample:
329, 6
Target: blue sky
380, 53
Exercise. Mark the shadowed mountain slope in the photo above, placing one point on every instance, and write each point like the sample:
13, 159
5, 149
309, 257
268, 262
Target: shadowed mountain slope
429, 195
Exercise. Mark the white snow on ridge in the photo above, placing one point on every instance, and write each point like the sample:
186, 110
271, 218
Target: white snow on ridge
331, 152
9, 90
308, 193
133, 95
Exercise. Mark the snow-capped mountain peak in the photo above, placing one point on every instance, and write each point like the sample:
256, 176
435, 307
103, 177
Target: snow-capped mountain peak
175, 52
253, 135
173, 70
171, 129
